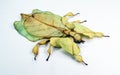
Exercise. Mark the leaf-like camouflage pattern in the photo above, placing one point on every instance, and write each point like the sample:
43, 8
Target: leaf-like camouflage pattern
20, 28
79, 28
69, 46
39, 29
44, 24
49, 18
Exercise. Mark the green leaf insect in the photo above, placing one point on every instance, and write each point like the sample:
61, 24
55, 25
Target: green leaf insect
49, 27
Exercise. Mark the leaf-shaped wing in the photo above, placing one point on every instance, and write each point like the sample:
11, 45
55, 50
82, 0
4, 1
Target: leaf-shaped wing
40, 29
48, 18
20, 28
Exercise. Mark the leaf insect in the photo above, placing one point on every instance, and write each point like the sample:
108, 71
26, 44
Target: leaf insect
49, 27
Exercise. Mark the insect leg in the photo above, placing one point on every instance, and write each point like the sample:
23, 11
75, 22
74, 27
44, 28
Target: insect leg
71, 14
79, 59
71, 47
71, 26
35, 49
76, 51
99, 34
65, 17
49, 52
76, 36
78, 21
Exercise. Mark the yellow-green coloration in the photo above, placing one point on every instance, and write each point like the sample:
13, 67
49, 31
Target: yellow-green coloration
55, 29
70, 47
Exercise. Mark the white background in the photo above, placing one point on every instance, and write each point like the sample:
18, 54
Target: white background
101, 54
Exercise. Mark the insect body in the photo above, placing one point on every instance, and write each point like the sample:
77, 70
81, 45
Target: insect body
54, 29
